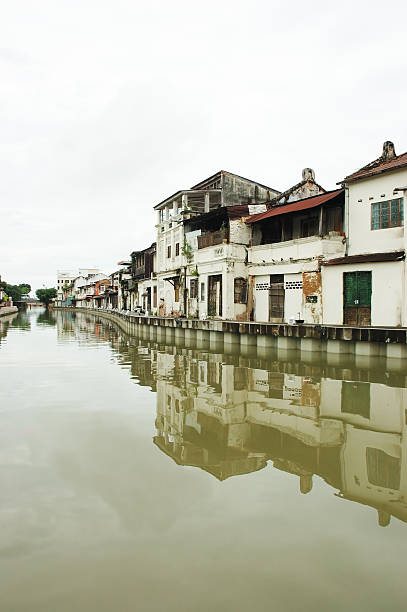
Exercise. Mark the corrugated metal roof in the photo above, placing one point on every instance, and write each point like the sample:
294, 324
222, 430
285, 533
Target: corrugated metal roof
296, 206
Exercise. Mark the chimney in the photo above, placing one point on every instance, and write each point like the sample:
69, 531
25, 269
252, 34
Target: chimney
388, 151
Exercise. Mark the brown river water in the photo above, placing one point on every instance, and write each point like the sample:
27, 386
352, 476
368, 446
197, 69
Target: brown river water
137, 475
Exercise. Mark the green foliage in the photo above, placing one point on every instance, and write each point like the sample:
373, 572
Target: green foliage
187, 250
46, 295
15, 291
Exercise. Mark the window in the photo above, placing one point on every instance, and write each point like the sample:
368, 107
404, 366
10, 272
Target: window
389, 213
383, 470
202, 292
168, 251
177, 249
240, 291
176, 291
193, 288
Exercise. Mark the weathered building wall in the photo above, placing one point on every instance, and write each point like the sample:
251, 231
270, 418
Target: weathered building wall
306, 190
362, 194
239, 191
293, 296
229, 261
387, 292
239, 232
312, 297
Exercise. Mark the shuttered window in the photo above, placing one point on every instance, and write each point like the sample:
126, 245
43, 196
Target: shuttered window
193, 288
389, 213
240, 291
383, 470
357, 288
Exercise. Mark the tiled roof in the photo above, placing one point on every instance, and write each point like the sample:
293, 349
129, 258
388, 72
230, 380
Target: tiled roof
378, 166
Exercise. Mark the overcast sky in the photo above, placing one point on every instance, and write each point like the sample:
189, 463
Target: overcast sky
107, 107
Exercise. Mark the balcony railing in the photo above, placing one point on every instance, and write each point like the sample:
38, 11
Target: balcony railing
212, 238
138, 272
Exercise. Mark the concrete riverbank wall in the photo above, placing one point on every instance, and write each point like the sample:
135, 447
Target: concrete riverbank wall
363, 341
8, 310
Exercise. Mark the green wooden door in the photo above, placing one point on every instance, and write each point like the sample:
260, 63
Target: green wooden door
356, 398
357, 297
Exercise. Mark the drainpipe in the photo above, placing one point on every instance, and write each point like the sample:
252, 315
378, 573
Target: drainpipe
346, 228
403, 190
184, 297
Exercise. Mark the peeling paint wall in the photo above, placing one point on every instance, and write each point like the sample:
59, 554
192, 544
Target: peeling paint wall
306, 190
239, 232
312, 297
238, 191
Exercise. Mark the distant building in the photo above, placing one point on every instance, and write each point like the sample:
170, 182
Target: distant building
64, 279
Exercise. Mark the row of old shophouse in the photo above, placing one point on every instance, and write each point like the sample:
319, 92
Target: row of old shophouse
231, 248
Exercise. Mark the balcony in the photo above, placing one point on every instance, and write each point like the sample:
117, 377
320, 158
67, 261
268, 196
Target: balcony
300, 248
138, 272
212, 238
223, 251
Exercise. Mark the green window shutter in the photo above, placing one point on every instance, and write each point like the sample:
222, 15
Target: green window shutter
375, 216
358, 289
350, 288
364, 288
395, 213
385, 207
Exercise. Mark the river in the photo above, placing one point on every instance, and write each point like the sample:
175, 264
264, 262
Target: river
152, 477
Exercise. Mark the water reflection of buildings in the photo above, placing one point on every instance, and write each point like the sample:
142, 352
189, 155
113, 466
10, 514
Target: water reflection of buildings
232, 418
231, 415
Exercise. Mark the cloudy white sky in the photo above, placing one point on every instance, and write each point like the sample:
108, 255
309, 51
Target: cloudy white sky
108, 106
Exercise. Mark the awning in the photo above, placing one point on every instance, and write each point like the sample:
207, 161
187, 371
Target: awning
296, 206
366, 258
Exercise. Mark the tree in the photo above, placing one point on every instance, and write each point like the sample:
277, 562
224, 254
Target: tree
15, 291
46, 295
25, 288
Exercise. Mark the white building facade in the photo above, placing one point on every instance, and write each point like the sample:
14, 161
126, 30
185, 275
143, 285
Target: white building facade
180, 265
289, 241
369, 285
